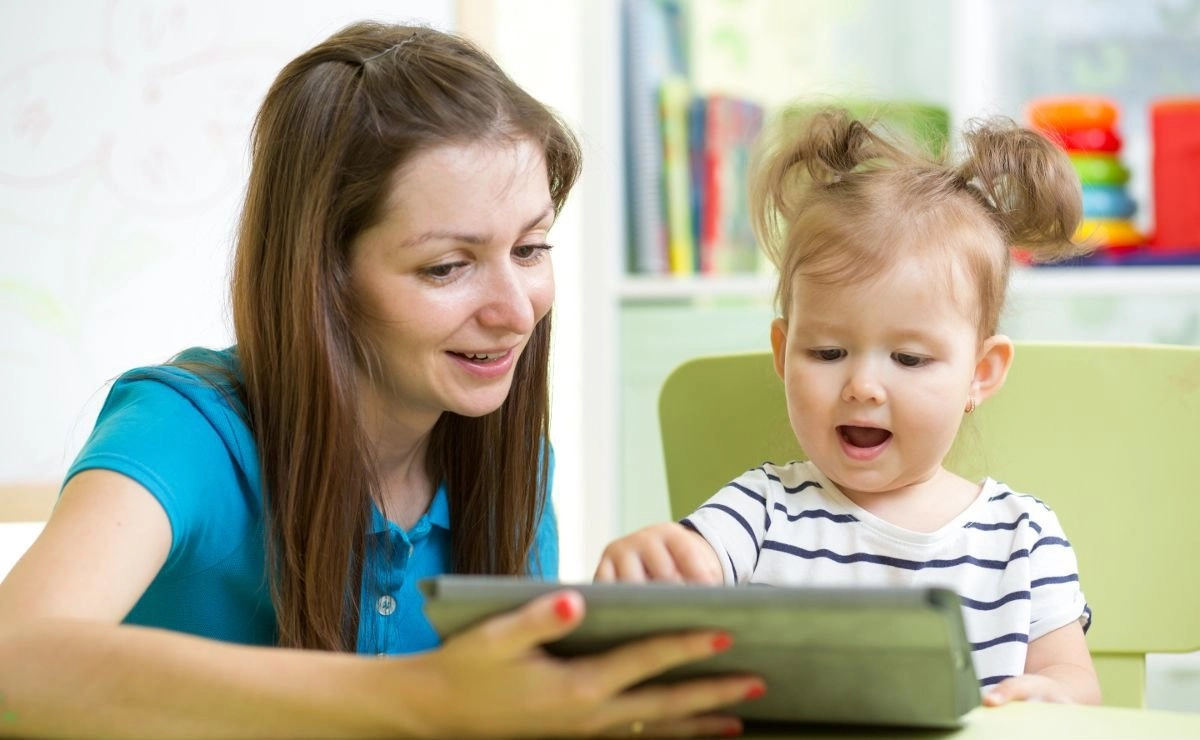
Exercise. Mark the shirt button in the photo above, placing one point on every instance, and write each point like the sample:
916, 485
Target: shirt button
386, 605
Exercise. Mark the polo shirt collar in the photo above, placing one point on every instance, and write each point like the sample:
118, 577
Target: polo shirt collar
437, 515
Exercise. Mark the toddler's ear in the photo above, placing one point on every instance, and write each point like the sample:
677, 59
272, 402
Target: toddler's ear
995, 358
779, 344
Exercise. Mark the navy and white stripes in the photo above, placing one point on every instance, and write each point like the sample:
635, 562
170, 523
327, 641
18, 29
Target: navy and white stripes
1006, 555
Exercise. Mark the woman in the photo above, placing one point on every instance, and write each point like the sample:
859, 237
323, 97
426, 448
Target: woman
240, 522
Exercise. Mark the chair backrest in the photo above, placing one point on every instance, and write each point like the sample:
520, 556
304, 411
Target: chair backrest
1104, 434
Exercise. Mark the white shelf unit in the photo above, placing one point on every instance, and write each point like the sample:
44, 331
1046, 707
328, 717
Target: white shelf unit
1061, 281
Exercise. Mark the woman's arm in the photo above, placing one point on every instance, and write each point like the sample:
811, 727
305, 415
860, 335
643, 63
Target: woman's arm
68, 668
103, 545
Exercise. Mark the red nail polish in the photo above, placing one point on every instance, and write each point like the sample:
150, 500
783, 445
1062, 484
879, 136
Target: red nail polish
757, 691
722, 642
732, 731
564, 607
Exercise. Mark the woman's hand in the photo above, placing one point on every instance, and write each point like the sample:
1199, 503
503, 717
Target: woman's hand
496, 681
660, 552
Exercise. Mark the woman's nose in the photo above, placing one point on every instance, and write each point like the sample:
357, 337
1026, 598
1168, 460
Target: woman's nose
507, 302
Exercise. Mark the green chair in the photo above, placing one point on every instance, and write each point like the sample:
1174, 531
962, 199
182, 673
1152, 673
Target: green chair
1107, 435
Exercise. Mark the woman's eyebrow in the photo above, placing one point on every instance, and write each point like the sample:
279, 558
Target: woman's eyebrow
469, 238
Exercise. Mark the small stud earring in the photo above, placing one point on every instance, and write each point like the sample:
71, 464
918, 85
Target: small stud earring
970, 404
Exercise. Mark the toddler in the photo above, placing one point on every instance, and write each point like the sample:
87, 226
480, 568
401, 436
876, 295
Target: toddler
893, 269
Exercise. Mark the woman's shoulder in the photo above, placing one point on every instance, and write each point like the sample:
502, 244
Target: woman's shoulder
191, 367
197, 392
209, 379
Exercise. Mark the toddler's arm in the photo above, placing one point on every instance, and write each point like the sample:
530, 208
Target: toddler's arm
1058, 668
660, 552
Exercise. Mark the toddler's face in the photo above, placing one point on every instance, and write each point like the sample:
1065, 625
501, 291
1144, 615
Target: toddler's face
877, 374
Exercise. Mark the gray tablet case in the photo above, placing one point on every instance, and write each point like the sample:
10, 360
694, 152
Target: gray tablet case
881, 656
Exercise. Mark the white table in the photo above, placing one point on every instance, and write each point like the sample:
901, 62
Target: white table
15, 539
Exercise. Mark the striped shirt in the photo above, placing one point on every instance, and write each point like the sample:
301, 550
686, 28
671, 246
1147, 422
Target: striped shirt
1006, 555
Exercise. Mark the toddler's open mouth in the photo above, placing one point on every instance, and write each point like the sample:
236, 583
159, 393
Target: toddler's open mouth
864, 436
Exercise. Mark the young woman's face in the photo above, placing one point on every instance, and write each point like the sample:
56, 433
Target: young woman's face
453, 279
877, 374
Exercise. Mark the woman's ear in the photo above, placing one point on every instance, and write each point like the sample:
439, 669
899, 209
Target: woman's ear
779, 344
995, 358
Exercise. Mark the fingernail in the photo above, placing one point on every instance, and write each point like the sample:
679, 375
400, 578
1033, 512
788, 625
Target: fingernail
722, 642
564, 607
732, 731
756, 691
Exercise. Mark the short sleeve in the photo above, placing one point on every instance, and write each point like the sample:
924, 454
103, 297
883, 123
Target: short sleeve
734, 523
155, 435
1056, 595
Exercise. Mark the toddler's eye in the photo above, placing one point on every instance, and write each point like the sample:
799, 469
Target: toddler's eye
907, 360
827, 354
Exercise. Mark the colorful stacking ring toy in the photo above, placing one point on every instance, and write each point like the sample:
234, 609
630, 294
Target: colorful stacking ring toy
1099, 169
1096, 139
1107, 201
1072, 114
1111, 233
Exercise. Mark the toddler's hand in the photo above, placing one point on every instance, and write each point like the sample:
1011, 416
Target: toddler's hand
1030, 687
660, 552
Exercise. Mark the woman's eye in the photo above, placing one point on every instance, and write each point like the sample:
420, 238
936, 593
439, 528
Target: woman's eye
440, 272
827, 354
907, 360
529, 252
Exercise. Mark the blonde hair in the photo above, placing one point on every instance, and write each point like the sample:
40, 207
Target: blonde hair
834, 200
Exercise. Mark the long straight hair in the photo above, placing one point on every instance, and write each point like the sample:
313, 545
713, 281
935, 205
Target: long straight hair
334, 128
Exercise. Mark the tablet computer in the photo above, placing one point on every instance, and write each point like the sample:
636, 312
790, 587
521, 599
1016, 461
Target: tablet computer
881, 656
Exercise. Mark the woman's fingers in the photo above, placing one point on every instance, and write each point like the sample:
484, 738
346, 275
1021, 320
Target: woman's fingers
709, 725
544, 619
599, 693
630, 664
685, 709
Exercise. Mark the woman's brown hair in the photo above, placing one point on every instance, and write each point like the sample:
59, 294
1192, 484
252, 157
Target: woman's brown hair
336, 125
836, 199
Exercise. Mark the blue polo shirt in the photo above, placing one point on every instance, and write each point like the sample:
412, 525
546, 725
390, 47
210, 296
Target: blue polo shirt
186, 443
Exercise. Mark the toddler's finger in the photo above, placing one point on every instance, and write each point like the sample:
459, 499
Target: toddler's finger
659, 563
697, 562
605, 573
